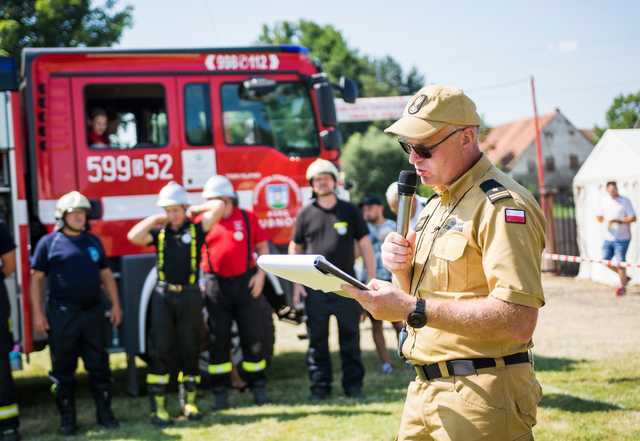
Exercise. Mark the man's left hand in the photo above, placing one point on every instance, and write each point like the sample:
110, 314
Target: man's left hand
383, 300
256, 283
116, 315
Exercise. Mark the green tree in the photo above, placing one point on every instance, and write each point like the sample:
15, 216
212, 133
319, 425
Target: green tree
58, 23
372, 161
624, 113
375, 77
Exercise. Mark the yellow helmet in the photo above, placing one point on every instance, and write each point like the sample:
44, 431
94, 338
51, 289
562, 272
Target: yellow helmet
71, 201
320, 166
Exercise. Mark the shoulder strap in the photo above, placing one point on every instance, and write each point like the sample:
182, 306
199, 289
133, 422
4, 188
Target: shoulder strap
247, 227
494, 190
162, 234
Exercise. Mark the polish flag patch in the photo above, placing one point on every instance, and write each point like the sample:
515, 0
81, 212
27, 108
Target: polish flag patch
514, 216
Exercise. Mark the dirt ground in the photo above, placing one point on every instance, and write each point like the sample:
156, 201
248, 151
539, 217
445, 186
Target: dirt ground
585, 320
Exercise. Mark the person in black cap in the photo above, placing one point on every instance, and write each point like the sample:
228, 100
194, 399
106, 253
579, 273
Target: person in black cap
379, 227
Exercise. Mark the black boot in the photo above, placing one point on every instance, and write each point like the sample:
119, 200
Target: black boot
220, 398
104, 414
66, 402
260, 396
187, 394
10, 435
159, 415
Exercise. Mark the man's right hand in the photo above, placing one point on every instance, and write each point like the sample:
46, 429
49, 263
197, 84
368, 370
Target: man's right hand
40, 323
299, 293
397, 252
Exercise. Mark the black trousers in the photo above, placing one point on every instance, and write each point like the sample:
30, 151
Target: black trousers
8, 405
229, 299
176, 322
319, 307
77, 333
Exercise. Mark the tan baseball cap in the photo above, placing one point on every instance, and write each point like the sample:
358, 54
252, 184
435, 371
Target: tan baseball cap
432, 108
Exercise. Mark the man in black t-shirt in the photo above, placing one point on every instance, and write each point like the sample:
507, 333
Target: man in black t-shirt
176, 303
74, 264
9, 420
330, 226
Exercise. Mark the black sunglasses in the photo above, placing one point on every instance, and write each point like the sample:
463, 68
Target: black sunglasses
422, 150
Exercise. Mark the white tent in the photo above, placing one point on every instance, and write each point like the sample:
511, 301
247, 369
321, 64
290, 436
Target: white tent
616, 157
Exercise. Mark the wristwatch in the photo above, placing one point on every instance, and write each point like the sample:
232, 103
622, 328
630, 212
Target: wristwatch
418, 318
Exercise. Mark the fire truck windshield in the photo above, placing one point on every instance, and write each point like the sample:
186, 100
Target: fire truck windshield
282, 119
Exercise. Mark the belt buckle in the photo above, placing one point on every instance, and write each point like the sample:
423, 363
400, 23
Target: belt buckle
463, 368
174, 288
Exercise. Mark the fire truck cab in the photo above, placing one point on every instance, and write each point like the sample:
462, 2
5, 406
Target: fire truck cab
117, 125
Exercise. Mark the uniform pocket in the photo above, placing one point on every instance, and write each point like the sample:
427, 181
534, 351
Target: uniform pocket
450, 250
527, 404
485, 391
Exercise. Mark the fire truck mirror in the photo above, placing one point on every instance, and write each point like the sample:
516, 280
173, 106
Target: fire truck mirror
8, 74
257, 88
326, 103
332, 139
349, 90
96, 209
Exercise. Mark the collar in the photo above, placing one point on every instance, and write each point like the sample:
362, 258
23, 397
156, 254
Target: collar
451, 193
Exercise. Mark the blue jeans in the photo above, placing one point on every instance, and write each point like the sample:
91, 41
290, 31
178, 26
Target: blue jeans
617, 248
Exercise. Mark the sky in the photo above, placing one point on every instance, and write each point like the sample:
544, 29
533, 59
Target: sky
582, 54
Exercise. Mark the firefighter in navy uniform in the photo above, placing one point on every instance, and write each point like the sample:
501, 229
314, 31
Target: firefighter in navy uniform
233, 291
9, 421
176, 304
74, 264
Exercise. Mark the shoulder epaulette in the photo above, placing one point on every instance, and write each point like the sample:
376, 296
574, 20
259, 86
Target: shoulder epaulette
494, 190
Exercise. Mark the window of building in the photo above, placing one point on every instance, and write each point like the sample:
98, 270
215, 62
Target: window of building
531, 166
197, 114
549, 164
574, 163
126, 116
282, 119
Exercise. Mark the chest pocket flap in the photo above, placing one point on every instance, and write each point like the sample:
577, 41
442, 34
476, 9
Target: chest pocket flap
451, 246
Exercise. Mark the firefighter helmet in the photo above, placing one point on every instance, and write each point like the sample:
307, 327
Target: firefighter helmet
71, 201
320, 166
218, 186
172, 194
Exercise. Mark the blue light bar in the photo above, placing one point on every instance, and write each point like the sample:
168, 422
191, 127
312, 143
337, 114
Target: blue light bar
295, 49
8, 73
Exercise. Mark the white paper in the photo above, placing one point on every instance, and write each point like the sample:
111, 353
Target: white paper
300, 268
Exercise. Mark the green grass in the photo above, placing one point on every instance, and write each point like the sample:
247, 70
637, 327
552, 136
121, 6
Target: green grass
583, 400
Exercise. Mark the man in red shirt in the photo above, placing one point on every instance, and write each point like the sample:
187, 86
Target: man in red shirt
233, 287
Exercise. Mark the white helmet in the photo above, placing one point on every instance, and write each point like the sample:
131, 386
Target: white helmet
71, 201
172, 194
218, 186
320, 166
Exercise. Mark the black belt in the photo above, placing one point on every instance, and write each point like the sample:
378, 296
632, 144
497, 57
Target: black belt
467, 367
174, 287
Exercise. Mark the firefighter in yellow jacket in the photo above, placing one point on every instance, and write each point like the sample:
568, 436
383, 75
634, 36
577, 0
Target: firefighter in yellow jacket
467, 282
176, 303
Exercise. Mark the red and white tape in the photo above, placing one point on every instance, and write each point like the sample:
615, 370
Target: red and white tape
578, 259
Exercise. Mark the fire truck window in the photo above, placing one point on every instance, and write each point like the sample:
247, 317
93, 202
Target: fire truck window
282, 119
197, 114
126, 116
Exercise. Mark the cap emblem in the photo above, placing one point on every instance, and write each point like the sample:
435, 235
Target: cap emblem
417, 104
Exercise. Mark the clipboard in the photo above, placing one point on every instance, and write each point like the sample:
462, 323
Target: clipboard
311, 270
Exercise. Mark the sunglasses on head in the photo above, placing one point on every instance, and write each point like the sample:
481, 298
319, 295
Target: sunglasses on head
423, 150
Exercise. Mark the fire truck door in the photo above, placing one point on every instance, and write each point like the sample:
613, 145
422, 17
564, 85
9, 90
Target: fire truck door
127, 142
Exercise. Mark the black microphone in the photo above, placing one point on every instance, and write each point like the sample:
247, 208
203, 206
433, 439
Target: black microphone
407, 181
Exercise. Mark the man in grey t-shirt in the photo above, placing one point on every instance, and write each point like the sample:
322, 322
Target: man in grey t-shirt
379, 227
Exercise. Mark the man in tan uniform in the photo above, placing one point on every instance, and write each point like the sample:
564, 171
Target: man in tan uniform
467, 281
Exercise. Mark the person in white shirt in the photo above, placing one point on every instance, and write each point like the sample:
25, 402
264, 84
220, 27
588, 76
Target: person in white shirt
617, 213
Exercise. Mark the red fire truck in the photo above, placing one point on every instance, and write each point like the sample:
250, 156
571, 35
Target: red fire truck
258, 115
